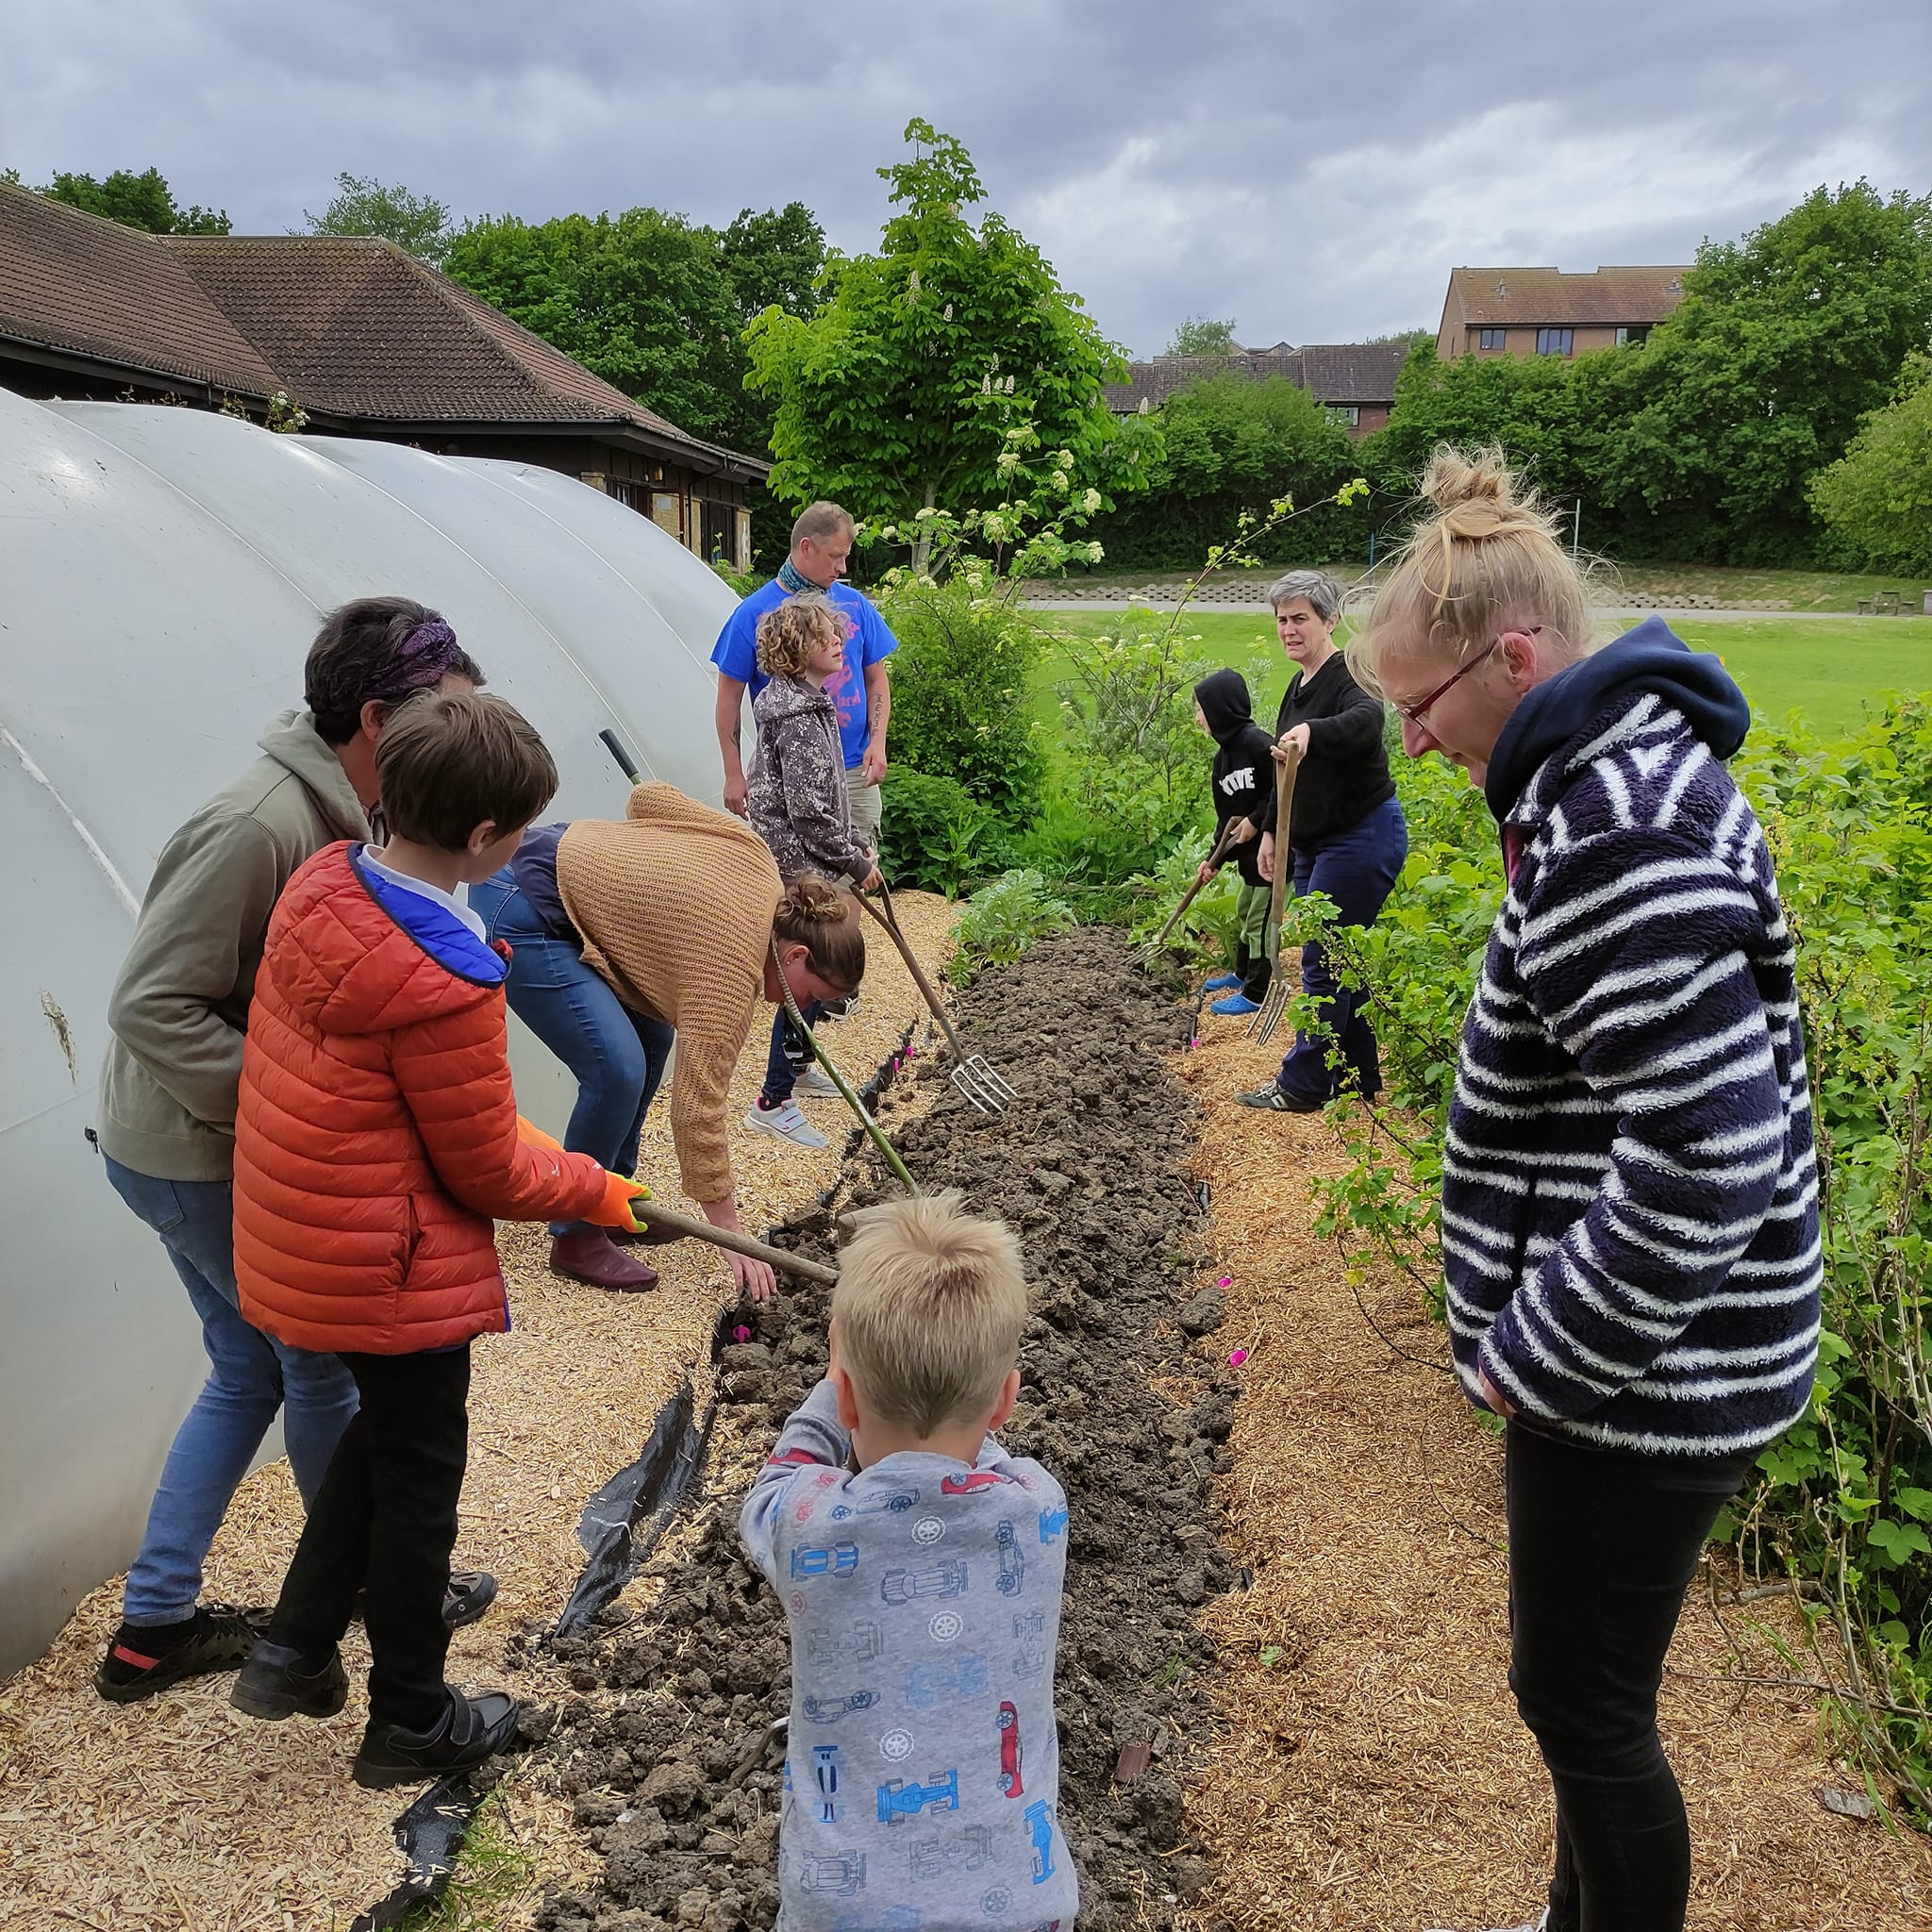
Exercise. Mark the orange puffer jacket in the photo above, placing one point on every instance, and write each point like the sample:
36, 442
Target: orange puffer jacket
376, 1134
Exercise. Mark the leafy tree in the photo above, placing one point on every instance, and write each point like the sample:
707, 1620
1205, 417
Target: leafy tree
774, 259
897, 393
642, 298
136, 201
1201, 335
1879, 493
1231, 444
418, 223
1783, 341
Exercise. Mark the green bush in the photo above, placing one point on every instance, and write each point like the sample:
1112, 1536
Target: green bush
1842, 1505
934, 836
1002, 920
961, 682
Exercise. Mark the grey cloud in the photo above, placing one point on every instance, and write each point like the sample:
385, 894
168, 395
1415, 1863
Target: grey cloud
1314, 172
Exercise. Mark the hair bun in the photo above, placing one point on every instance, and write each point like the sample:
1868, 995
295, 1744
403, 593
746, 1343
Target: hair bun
1477, 495
815, 899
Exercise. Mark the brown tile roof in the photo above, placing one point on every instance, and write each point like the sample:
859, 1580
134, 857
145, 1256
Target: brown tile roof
73, 281
350, 326
1536, 297
1330, 372
358, 328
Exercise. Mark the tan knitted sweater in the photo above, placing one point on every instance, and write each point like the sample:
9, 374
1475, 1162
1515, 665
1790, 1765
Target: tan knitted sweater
674, 906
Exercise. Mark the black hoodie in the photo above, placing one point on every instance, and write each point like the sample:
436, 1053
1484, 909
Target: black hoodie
1243, 778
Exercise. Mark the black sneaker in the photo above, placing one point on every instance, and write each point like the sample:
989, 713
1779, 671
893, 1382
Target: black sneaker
1272, 1098
470, 1730
469, 1596
274, 1685
138, 1662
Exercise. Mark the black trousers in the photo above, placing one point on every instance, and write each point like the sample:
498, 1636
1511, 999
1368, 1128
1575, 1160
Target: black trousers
1601, 1547
385, 1517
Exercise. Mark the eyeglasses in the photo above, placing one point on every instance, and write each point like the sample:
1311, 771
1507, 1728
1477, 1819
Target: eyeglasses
1416, 713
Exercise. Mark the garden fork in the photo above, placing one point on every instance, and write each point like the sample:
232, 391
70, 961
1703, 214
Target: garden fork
1262, 1027
1174, 918
972, 1075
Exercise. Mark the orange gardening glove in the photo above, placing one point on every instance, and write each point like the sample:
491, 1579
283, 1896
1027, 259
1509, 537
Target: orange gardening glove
536, 1136
614, 1210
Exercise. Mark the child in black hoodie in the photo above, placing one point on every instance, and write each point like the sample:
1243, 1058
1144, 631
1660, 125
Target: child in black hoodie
1243, 786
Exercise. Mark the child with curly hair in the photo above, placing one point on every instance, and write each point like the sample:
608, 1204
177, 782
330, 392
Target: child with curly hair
797, 802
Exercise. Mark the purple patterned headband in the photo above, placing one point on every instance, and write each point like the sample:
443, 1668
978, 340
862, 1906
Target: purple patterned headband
425, 658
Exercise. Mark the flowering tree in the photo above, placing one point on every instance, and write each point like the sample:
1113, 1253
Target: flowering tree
901, 392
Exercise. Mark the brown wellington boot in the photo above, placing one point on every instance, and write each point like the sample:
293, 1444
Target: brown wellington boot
588, 1255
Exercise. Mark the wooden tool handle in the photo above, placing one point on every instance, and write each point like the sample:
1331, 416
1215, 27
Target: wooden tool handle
655, 1216
1284, 864
1214, 857
890, 920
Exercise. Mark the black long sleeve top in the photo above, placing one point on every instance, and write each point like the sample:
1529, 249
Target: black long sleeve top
1345, 775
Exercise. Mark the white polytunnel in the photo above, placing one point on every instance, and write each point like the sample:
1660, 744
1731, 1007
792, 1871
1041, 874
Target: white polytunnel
163, 572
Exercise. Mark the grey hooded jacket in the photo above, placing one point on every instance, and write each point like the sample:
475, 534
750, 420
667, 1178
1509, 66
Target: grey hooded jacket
796, 797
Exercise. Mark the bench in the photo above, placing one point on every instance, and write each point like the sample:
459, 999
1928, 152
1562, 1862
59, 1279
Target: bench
1880, 604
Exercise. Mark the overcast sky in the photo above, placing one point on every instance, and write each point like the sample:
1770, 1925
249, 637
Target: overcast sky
1311, 172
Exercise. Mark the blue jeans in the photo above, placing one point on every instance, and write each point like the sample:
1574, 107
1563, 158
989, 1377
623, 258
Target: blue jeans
789, 1054
250, 1376
617, 1056
1357, 869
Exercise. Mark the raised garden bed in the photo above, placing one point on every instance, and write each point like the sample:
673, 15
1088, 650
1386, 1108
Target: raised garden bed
671, 1750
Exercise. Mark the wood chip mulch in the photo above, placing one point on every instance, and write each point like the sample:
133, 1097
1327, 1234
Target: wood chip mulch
1371, 1774
178, 1814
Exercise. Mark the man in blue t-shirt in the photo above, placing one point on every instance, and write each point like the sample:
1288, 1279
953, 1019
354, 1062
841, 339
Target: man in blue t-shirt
821, 545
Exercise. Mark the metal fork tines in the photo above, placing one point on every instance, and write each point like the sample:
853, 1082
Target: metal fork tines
980, 1086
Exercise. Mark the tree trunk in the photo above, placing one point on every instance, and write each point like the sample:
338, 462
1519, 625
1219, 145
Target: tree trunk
922, 544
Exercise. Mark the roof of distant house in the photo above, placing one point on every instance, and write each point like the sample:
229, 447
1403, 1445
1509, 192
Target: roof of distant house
351, 326
1339, 372
1530, 297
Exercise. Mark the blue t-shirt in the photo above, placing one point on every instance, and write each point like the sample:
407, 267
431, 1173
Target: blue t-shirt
867, 639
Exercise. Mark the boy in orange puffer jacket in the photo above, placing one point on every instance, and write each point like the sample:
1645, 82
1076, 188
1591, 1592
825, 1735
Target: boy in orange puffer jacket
375, 1138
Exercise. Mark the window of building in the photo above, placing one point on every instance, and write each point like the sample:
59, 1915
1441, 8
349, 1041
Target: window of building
1347, 414
1553, 342
1632, 335
1491, 339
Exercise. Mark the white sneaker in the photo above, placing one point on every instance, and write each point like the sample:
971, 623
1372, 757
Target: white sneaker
1534, 1925
786, 1123
816, 1084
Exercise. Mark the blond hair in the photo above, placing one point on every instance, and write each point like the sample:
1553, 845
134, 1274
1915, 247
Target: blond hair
789, 632
929, 1306
1487, 561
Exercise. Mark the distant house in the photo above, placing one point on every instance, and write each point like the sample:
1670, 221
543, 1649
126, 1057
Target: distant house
1542, 312
366, 339
1353, 381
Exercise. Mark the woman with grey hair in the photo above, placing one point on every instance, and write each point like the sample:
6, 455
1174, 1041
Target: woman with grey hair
1346, 835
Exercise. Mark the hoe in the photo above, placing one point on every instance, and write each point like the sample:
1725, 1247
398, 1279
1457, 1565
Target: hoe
1262, 1027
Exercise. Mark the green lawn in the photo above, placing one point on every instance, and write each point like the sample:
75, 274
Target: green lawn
1822, 669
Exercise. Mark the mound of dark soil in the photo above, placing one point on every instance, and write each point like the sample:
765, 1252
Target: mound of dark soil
673, 1754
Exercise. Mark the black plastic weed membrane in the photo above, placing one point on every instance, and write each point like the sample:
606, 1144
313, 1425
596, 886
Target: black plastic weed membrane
430, 1832
619, 1529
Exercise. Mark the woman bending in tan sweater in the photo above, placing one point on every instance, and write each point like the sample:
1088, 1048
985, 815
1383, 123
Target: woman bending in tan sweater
628, 935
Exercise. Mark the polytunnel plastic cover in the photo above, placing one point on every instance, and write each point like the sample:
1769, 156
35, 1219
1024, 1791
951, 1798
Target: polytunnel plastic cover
164, 571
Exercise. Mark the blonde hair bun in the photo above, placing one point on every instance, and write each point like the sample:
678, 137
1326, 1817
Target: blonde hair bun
815, 900
1477, 495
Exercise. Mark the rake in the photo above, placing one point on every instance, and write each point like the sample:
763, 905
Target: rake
972, 1075
1221, 847
1262, 1027
846, 1090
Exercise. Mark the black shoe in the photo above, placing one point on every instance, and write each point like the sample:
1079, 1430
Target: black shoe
1271, 1096
138, 1662
470, 1730
274, 1685
470, 1594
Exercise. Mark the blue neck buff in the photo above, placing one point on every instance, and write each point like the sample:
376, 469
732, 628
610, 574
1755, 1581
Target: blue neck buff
791, 582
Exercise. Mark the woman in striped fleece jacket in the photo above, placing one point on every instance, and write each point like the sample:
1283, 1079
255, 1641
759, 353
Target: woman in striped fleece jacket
1629, 1195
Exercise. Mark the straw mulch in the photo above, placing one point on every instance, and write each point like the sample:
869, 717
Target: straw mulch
180, 1813
1372, 1774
